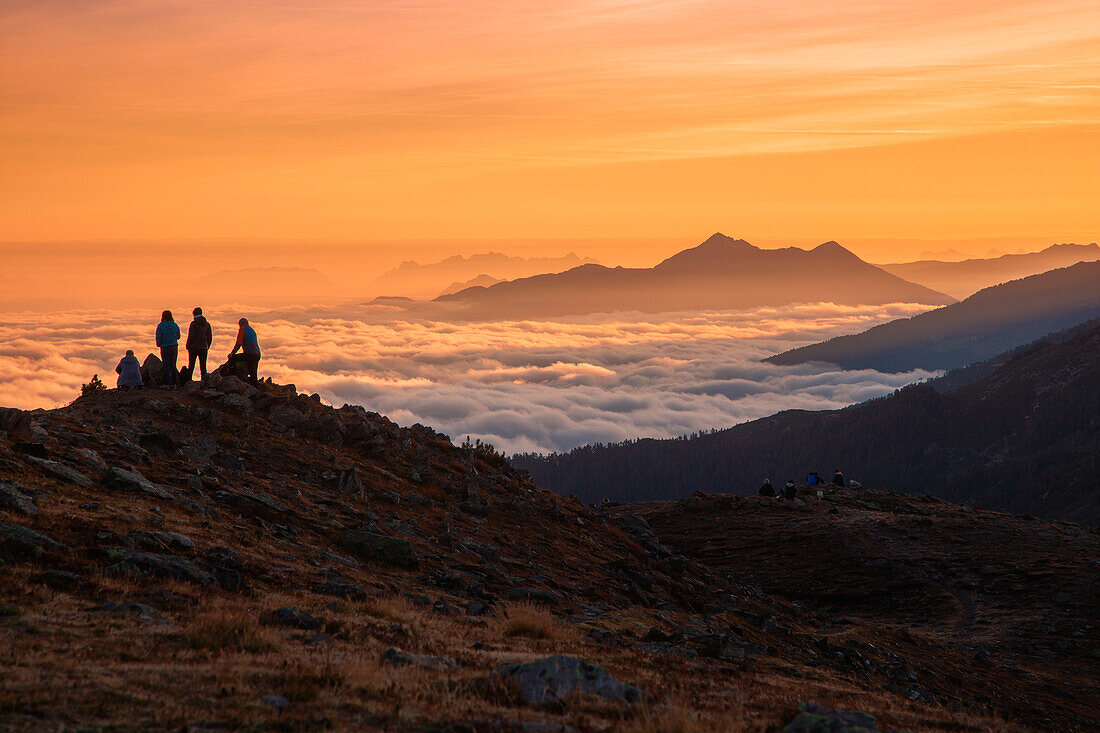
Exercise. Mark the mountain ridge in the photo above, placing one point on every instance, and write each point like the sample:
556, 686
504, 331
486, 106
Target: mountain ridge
720, 273
1025, 438
991, 321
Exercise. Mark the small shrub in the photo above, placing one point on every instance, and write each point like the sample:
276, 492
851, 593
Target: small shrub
486, 451
224, 628
529, 620
96, 385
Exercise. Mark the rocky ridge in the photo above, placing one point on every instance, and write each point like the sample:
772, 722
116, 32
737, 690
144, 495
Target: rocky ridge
226, 554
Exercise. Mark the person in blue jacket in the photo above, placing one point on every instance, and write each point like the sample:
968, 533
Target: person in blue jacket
168, 339
247, 340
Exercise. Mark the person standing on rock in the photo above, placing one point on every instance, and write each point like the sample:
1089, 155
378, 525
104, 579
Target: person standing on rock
129, 371
199, 338
168, 339
246, 340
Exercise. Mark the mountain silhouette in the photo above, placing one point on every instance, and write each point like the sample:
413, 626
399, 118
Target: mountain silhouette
987, 323
720, 273
961, 279
481, 281
429, 280
1026, 438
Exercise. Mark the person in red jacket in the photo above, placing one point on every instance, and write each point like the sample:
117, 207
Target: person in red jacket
247, 340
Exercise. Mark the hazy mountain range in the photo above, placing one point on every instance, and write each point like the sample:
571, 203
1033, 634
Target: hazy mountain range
1026, 438
960, 279
985, 324
720, 273
414, 280
481, 281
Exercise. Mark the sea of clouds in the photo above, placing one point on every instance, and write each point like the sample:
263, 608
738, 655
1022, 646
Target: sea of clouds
521, 385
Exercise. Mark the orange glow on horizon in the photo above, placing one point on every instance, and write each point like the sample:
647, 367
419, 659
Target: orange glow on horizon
605, 118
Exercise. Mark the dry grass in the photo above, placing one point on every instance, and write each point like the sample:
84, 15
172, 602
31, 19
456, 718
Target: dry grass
678, 720
528, 620
228, 628
391, 608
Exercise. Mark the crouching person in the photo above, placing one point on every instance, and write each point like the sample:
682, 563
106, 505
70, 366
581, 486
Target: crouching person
129, 371
250, 345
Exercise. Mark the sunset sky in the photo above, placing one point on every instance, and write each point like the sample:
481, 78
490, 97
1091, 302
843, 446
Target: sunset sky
496, 119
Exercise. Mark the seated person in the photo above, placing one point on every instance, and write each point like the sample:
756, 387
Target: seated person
129, 371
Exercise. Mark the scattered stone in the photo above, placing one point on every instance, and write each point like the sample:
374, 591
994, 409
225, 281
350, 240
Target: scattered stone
61, 471
59, 580
248, 504
476, 608
168, 566
557, 677
340, 590
276, 701
447, 609
34, 450
127, 607
816, 719
374, 546
238, 403
223, 557
13, 498
296, 617
161, 540
400, 658
24, 543
123, 480
319, 639
532, 594
159, 442
349, 482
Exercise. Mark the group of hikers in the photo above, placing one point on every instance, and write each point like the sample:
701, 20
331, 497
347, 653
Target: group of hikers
200, 337
790, 491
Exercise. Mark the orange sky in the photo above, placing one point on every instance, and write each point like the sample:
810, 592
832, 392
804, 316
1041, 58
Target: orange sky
496, 118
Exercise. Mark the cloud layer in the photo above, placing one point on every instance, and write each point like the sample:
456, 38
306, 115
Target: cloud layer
523, 386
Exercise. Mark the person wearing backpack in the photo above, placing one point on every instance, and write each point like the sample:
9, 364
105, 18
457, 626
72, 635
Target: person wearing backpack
199, 338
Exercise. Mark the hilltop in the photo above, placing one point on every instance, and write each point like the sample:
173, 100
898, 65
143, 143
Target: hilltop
1024, 438
987, 323
720, 273
226, 556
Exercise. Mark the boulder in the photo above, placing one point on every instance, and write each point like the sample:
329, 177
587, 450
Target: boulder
816, 719
541, 595
152, 371
59, 580
238, 403
557, 677
374, 546
24, 543
165, 566
400, 658
295, 617
248, 504
61, 471
13, 499
120, 479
